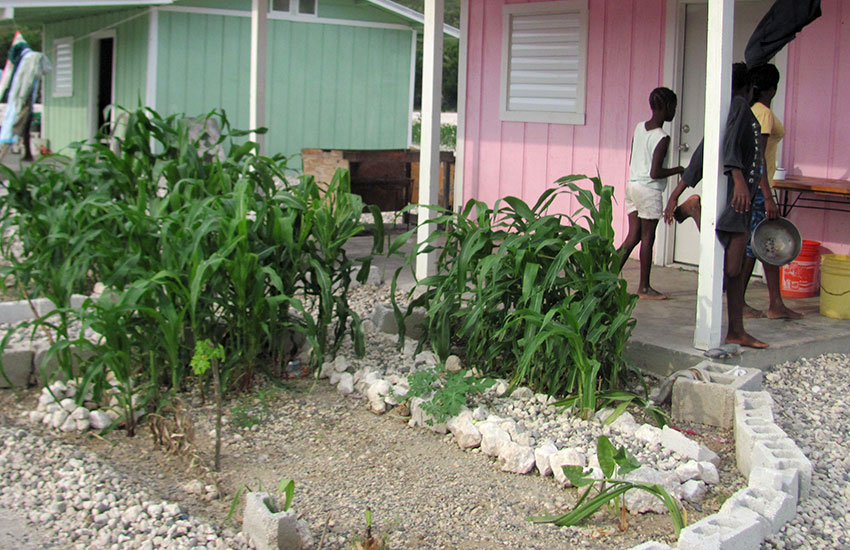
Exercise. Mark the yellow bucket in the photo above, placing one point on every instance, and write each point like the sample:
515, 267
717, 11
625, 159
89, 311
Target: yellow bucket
835, 286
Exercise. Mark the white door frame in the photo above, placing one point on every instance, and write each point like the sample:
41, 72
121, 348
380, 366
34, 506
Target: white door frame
674, 46
94, 57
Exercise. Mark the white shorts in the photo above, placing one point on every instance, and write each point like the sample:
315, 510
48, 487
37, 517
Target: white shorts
646, 200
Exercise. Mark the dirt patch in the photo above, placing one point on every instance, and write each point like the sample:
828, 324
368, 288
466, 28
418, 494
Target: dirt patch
423, 491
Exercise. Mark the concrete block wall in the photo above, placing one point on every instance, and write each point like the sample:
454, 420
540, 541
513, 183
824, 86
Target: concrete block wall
779, 475
712, 402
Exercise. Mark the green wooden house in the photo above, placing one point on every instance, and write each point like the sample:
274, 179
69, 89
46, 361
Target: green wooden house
339, 72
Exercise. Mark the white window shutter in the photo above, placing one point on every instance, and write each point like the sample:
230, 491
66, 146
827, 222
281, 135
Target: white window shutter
543, 63
63, 67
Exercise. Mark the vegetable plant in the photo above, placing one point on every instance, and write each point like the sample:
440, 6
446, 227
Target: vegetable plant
614, 463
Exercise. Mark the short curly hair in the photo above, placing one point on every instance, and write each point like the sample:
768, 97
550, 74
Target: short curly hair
660, 98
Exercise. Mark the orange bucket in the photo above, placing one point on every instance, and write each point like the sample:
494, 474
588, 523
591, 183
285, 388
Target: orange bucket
800, 278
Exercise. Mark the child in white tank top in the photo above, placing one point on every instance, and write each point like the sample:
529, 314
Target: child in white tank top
647, 179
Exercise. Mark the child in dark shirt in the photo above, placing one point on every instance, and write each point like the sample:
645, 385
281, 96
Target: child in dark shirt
743, 159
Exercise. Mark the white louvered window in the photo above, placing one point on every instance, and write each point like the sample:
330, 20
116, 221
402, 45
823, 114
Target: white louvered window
63, 67
544, 57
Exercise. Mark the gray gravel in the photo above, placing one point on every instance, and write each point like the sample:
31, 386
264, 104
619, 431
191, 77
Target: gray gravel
813, 407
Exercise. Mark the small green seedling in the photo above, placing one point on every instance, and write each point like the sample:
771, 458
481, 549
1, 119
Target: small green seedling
614, 463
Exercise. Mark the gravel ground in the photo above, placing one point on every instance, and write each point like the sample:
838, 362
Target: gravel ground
85, 492
812, 406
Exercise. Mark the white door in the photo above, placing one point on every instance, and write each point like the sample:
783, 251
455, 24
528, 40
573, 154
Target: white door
692, 103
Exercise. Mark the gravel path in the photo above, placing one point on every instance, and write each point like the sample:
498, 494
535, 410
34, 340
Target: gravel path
813, 406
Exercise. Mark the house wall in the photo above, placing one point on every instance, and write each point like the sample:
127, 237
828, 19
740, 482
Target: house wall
66, 119
816, 117
625, 62
329, 86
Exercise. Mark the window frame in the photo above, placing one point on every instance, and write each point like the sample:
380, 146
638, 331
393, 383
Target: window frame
67, 91
576, 117
294, 9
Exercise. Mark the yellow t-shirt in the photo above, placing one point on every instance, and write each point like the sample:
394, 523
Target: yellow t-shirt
772, 126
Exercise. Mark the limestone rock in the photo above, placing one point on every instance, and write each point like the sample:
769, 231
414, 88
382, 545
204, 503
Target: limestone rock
99, 420
493, 437
463, 428
541, 458
693, 490
639, 502
346, 384
566, 457
516, 458
453, 363
377, 393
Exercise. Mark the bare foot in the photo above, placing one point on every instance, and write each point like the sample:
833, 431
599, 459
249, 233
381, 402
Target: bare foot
745, 340
650, 294
782, 313
688, 209
752, 313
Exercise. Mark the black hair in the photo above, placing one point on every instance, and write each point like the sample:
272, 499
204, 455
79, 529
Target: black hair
740, 77
660, 98
763, 77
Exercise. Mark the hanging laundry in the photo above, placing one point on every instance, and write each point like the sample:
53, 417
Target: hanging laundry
21, 77
778, 27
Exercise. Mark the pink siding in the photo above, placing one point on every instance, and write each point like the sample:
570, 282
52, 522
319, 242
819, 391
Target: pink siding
625, 62
818, 118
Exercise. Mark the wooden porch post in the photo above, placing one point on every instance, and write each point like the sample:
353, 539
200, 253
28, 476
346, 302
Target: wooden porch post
257, 86
429, 156
718, 94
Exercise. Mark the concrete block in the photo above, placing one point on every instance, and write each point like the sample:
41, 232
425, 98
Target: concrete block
749, 430
712, 402
787, 481
753, 404
774, 508
14, 312
720, 532
266, 530
784, 455
17, 365
680, 443
46, 368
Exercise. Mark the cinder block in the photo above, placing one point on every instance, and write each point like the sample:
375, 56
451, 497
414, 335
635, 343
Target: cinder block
720, 532
680, 443
266, 530
712, 402
17, 365
749, 430
787, 481
14, 312
783, 455
774, 508
750, 404
46, 368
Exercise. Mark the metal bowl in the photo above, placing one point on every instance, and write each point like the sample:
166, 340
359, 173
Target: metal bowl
776, 242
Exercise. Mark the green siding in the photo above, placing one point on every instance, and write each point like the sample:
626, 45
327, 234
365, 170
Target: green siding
329, 86
67, 119
352, 10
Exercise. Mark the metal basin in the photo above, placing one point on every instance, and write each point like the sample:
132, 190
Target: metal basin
776, 242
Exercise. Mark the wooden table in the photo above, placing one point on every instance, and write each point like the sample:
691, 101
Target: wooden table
814, 193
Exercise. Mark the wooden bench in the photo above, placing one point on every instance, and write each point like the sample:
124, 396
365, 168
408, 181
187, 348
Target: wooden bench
812, 193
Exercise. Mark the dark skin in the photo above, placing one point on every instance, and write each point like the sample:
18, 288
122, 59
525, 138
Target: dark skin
776, 308
736, 250
642, 230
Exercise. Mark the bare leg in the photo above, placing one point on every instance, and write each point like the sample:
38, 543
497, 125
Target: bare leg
749, 311
777, 308
733, 265
647, 241
691, 208
632, 239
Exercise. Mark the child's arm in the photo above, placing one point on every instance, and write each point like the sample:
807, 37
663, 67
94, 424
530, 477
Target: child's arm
740, 193
657, 170
673, 201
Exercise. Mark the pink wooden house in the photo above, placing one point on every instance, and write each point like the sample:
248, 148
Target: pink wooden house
522, 127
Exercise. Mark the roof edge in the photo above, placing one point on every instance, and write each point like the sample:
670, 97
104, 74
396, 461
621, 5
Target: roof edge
413, 15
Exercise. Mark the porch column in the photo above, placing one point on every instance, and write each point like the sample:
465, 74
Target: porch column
718, 94
429, 156
257, 86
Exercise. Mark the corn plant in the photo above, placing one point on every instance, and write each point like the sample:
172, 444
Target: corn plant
195, 238
530, 296
614, 463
